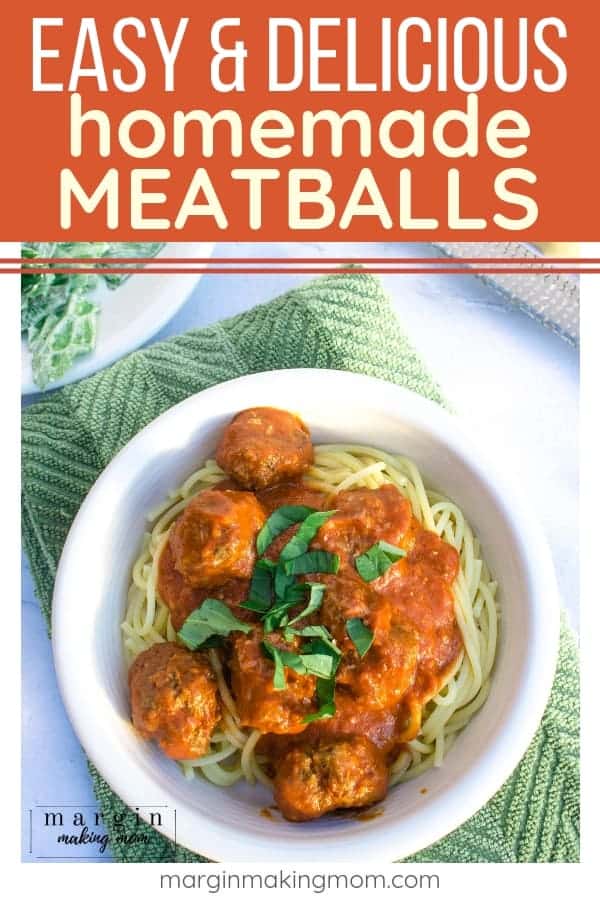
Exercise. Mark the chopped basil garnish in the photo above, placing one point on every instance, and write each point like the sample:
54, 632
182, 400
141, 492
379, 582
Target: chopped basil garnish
326, 698
377, 560
260, 595
317, 592
296, 593
277, 616
216, 640
323, 644
318, 658
310, 631
323, 665
314, 631
274, 591
314, 561
283, 659
278, 521
300, 542
211, 619
283, 582
360, 635
279, 681
391, 549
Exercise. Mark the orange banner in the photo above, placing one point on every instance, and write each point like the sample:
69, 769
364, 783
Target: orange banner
147, 121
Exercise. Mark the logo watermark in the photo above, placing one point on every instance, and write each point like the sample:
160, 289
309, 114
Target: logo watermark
80, 831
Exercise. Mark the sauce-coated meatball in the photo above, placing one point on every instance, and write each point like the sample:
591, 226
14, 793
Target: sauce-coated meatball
379, 726
174, 699
432, 553
259, 704
347, 597
182, 599
214, 538
419, 589
382, 676
263, 447
364, 517
314, 780
291, 493
179, 596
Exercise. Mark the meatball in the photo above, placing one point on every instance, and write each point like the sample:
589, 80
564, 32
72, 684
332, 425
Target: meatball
382, 676
427, 606
259, 704
262, 447
174, 590
214, 538
435, 554
314, 780
379, 726
182, 599
347, 597
174, 699
419, 589
293, 493
364, 517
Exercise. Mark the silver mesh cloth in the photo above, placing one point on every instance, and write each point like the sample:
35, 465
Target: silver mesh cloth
552, 299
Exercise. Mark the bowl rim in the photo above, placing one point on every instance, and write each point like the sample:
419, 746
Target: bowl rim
221, 842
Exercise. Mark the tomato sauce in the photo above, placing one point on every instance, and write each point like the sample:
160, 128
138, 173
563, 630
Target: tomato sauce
408, 611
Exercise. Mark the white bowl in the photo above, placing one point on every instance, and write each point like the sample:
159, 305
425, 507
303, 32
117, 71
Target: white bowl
90, 597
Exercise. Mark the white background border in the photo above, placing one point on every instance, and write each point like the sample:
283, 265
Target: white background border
468, 880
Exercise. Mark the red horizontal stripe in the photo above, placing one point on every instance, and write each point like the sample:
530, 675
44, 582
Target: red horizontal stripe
485, 270
210, 260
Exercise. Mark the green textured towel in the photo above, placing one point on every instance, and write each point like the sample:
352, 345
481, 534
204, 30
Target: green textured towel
338, 322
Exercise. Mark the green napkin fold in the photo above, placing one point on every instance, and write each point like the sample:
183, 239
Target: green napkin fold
342, 321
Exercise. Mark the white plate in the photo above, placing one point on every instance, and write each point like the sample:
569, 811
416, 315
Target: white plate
95, 570
130, 315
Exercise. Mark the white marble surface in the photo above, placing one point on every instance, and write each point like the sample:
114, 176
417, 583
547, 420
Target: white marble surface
514, 382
